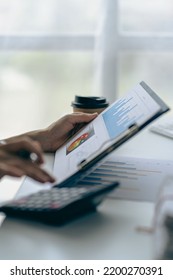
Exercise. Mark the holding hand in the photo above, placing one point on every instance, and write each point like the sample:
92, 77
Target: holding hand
12, 161
60, 131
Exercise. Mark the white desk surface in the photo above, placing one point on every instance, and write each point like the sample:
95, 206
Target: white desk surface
110, 233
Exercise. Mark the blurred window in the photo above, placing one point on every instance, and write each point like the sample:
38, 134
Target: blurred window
46, 57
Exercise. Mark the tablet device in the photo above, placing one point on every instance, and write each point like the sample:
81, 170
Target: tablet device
115, 125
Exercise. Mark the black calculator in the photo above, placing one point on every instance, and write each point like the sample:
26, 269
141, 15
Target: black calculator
58, 205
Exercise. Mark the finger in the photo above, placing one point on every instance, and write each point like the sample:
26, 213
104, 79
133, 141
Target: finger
78, 120
25, 144
10, 170
34, 171
40, 175
82, 117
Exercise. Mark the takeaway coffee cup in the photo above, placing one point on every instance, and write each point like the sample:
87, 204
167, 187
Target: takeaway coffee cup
89, 104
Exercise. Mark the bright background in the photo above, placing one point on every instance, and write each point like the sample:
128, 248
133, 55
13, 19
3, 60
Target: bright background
51, 50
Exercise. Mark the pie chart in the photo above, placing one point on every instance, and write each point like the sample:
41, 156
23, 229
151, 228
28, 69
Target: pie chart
76, 143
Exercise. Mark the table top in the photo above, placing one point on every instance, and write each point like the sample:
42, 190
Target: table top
118, 230
113, 232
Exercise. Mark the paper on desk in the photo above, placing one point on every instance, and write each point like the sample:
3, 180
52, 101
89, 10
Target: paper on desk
8, 189
139, 178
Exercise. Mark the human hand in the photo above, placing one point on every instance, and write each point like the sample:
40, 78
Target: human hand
12, 163
61, 130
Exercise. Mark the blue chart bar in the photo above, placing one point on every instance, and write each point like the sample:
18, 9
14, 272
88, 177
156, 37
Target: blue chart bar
119, 117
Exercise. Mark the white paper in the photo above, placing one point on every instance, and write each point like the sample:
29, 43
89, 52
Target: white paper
139, 178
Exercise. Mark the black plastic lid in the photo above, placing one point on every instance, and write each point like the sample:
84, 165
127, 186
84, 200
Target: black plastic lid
91, 102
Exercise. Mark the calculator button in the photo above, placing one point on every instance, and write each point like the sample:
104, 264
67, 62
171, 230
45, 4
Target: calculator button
57, 205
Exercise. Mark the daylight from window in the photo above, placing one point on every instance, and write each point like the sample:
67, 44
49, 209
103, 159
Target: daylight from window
51, 50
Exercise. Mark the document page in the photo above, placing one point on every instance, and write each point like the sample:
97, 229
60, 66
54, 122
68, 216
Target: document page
136, 107
139, 178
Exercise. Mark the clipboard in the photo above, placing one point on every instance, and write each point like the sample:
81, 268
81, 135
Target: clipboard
132, 125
